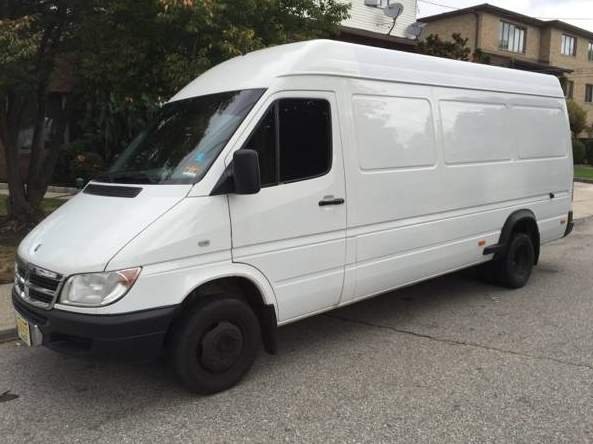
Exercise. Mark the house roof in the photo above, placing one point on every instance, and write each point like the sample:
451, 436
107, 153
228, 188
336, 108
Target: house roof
501, 12
264, 68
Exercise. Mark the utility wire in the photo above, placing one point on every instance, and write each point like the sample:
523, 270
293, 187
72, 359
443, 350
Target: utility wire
540, 18
438, 4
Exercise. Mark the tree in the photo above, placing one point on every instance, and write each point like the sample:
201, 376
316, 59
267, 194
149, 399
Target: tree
456, 48
577, 117
32, 34
129, 56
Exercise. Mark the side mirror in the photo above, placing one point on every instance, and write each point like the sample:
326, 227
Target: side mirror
246, 178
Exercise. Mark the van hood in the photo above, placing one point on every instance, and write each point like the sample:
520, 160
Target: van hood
86, 232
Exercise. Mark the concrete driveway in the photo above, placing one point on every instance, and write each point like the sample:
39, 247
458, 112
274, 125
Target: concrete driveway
450, 360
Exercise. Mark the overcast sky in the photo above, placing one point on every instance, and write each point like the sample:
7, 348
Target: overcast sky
552, 9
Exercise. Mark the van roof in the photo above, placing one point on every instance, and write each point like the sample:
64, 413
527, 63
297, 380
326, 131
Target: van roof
259, 69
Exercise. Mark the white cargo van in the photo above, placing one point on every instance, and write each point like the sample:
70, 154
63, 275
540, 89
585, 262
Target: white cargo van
289, 182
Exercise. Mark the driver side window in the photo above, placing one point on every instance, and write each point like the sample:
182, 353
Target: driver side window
293, 141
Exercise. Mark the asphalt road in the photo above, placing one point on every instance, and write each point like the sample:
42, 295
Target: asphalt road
450, 360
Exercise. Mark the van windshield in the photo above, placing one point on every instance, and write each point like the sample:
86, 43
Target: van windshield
184, 140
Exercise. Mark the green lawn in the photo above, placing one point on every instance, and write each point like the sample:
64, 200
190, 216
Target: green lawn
583, 171
10, 242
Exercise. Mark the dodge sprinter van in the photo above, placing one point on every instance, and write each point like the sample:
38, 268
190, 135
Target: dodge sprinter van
291, 181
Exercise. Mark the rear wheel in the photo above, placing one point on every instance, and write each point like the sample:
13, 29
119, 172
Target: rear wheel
514, 269
215, 345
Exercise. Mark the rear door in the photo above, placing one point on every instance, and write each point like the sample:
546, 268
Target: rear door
293, 230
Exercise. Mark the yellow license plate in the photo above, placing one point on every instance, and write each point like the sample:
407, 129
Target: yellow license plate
23, 330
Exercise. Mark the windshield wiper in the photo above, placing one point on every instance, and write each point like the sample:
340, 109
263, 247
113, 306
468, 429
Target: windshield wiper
131, 178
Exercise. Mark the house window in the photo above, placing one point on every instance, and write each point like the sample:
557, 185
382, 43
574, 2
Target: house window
293, 141
589, 94
512, 37
590, 51
569, 45
568, 86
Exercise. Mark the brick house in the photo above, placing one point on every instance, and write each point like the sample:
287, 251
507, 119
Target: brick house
523, 42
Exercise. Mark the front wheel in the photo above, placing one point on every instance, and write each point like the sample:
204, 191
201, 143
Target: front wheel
215, 345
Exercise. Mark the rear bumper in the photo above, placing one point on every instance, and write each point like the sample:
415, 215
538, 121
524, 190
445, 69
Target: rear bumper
138, 335
569, 224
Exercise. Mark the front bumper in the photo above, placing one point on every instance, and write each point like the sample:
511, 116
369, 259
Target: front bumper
138, 335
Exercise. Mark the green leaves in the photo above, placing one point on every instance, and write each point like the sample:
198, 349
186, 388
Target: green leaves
18, 46
129, 56
577, 116
152, 48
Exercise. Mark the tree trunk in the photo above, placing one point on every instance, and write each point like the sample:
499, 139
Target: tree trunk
19, 209
25, 198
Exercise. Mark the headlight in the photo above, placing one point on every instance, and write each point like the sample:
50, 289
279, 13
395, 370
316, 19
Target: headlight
98, 289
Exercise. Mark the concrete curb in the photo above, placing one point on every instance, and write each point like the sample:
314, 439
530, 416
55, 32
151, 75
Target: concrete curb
7, 322
589, 181
8, 335
582, 220
50, 189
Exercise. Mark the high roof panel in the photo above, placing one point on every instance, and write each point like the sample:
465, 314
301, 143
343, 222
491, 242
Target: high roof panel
260, 69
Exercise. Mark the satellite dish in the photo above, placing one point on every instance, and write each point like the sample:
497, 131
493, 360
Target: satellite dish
415, 29
393, 10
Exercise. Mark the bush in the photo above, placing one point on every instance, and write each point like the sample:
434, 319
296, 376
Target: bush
577, 117
86, 166
76, 161
589, 151
578, 151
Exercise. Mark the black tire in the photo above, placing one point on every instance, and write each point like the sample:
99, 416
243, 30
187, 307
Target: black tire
514, 269
214, 346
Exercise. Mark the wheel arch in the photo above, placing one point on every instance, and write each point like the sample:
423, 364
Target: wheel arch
251, 286
520, 221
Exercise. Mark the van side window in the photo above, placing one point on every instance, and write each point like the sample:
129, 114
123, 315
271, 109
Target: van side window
305, 138
293, 141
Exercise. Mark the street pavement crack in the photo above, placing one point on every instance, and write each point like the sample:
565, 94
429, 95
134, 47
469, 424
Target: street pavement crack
462, 343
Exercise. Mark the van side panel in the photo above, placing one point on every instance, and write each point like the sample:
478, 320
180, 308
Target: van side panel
432, 172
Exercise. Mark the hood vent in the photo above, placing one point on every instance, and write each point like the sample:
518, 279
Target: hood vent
112, 191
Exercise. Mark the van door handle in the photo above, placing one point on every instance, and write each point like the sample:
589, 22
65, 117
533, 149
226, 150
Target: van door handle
331, 201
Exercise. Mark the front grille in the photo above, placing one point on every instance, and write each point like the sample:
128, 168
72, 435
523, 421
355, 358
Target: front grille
36, 285
44, 282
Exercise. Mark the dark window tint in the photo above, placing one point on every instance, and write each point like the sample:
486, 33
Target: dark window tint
293, 141
305, 138
263, 140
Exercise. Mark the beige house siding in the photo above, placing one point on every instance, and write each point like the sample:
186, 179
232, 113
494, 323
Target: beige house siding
545, 45
464, 25
582, 74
